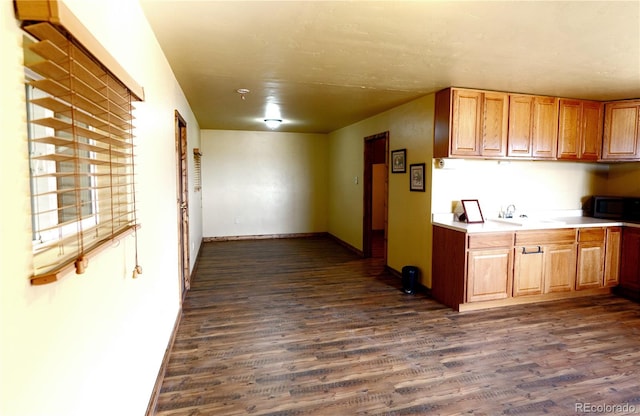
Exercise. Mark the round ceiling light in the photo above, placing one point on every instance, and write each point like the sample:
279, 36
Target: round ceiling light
273, 123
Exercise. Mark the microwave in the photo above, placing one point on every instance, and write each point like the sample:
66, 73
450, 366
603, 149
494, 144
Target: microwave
610, 207
614, 208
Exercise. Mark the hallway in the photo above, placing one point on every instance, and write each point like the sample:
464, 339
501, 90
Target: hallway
305, 327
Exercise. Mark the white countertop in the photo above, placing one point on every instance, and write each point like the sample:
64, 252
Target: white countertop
498, 225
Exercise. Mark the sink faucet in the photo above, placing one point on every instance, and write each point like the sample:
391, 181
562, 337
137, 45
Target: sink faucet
511, 209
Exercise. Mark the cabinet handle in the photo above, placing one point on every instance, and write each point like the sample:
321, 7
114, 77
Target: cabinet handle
538, 251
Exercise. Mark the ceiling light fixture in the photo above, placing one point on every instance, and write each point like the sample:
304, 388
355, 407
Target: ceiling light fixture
273, 123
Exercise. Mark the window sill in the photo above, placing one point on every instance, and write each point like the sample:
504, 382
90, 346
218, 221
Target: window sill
70, 265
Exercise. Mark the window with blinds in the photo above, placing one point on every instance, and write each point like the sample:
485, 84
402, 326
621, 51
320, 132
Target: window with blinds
81, 151
197, 170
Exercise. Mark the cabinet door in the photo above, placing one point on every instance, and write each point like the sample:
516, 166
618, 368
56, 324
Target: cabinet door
569, 129
612, 256
579, 129
544, 140
621, 141
520, 125
559, 267
466, 123
489, 274
590, 265
591, 131
495, 122
528, 271
630, 259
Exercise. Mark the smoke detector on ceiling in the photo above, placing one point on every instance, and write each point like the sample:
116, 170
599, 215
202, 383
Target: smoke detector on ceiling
243, 92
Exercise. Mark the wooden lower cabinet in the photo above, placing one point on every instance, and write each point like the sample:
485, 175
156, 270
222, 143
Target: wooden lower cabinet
591, 258
545, 261
630, 259
590, 265
489, 274
544, 269
481, 270
559, 268
528, 275
612, 256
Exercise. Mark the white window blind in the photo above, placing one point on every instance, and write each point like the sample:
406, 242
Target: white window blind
81, 152
197, 170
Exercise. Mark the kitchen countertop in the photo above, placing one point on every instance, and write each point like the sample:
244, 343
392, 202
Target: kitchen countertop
500, 225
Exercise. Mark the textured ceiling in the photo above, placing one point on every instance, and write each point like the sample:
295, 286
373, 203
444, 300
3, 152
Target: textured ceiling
329, 64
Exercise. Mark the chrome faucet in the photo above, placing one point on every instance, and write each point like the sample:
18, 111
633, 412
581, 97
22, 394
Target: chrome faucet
511, 209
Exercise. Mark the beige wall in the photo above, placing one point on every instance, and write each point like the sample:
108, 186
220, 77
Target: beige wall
410, 127
263, 183
624, 179
530, 186
92, 344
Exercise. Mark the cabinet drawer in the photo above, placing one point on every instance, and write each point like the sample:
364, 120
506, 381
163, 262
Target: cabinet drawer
538, 237
591, 234
490, 240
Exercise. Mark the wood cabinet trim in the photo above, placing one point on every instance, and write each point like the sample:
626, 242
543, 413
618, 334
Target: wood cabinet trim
490, 240
541, 237
591, 234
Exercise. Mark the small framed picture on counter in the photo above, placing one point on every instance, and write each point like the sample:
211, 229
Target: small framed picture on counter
472, 211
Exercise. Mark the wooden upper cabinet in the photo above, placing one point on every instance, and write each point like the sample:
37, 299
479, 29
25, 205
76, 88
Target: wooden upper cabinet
580, 129
470, 123
465, 122
495, 122
545, 127
520, 125
473, 123
533, 126
621, 139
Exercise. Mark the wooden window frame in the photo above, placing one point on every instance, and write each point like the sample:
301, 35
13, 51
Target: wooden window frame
84, 141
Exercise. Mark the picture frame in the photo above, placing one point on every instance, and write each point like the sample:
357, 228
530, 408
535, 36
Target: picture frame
416, 177
472, 211
399, 161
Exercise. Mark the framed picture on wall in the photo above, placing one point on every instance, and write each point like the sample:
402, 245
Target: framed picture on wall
398, 161
416, 177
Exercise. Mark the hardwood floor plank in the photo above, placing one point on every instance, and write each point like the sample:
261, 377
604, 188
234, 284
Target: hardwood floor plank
305, 327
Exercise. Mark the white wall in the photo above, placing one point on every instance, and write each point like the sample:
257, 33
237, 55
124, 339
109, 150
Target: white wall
263, 183
92, 344
532, 186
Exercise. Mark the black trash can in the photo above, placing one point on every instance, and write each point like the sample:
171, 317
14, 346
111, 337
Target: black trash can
410, 275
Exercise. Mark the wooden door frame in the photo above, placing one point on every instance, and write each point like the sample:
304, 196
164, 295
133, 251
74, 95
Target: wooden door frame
367, 234
182, 202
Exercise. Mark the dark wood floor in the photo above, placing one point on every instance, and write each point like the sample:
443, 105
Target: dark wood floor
304, 327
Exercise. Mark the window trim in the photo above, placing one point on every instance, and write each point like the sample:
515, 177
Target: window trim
58, 15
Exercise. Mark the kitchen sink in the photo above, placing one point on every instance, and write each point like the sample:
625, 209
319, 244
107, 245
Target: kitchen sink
523, 221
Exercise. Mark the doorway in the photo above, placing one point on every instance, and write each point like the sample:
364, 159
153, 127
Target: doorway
376, 195
183, 204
